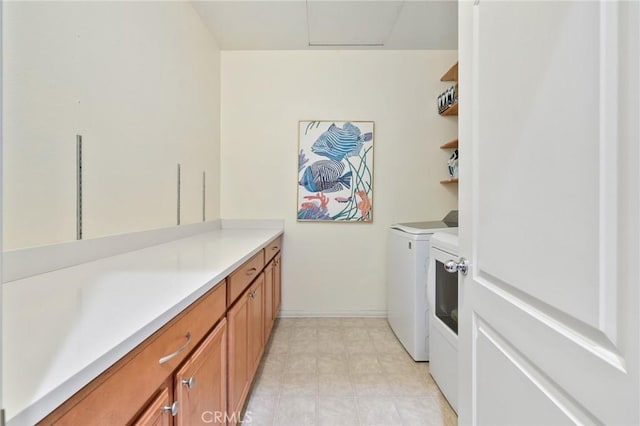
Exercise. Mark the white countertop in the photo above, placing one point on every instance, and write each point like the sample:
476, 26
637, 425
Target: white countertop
63, 328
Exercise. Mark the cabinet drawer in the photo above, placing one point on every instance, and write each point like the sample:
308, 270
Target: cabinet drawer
242, 277
116, 396
272, 249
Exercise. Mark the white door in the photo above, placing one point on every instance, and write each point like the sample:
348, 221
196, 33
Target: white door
1, 225
549, 208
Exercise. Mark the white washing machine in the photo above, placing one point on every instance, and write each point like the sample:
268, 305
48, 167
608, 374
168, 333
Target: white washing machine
408, 261
442, 293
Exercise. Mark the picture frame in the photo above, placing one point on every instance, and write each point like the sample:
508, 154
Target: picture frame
335, 171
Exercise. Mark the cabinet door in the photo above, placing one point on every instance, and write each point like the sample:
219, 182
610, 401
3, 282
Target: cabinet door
238, 371
268, 300
256, 323
200, 385
277, 284
156, 413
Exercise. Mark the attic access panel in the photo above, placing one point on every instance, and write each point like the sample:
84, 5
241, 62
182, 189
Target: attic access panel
351, 23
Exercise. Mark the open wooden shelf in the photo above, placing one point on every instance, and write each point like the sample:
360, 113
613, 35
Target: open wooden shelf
451, 180
452, 110
451, 75
450, 144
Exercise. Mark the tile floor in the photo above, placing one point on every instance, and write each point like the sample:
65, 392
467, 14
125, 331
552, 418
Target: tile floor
342, 371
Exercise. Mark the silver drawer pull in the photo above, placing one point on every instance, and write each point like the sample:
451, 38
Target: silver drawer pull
251, 271
190, 382
275, 248
180, 349
173, 408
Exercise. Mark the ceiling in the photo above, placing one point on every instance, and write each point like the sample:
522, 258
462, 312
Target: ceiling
331, 24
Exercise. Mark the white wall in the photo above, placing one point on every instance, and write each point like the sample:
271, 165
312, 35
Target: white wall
334, 268
141, 82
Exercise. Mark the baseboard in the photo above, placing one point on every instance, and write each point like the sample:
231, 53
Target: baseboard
23, 263
333, 314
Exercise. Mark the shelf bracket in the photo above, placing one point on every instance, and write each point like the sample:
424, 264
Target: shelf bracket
78, 187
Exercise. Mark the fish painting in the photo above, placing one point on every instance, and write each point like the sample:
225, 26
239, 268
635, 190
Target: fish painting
313, 211
325, 176
343, 199
336, 143
302, 160
315, 208
364, 205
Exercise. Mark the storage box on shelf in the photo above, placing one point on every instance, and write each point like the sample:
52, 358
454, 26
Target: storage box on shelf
451, 75
200, 364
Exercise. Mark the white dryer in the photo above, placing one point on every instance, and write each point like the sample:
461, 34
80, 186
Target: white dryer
443, 315
407, 265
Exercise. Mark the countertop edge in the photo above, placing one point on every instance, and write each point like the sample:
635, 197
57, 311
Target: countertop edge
30, 261
53, 399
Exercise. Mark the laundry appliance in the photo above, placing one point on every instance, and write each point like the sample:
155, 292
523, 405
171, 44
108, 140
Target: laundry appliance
407, 266
442, 292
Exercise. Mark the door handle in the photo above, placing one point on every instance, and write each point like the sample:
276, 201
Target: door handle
462, 265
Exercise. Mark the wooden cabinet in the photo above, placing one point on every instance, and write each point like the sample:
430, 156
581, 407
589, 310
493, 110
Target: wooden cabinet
269, 304
272, 294
198, 368
201, 383
256, 323
277, 284
240, 278
246, 343
238, 368
118, 394
272, 249
158, 413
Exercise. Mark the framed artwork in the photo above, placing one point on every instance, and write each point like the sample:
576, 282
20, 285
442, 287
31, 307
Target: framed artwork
335, 171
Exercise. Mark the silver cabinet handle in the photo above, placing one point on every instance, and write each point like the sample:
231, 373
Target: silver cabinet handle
180, 349
190, 382
251, 271
173, 408
275, 248
252, 294
462, 265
